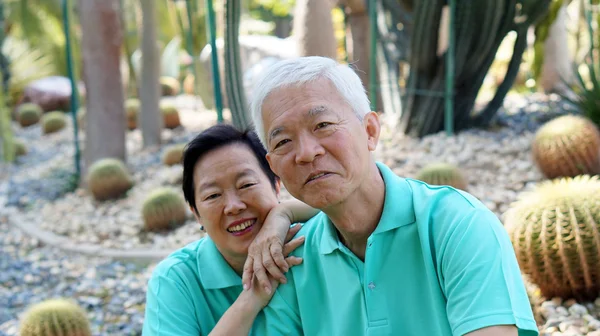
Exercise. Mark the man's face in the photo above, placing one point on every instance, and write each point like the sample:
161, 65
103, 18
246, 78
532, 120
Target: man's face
316, 144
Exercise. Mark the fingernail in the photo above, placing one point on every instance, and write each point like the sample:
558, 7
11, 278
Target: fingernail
245, 286
301, 237
268, 290
283, 280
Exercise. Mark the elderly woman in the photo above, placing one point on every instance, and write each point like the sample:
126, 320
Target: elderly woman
232, 192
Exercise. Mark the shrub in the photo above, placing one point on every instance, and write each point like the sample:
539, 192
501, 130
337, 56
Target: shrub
442, 174
29, 114
555, 233
55, 317
173, 154
108, 179
53, 122
567, 146
163, 209
170, 116
169, 86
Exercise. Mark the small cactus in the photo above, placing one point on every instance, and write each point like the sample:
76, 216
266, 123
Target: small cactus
169, 86
163, 209
173, 154
188, 84
19, 147
108, 179
132, 109
442, 174
55, 317
53, 122
554, 230
567, 146
170, 116
29, 114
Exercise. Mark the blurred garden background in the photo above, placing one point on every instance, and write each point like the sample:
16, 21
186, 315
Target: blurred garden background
500, 98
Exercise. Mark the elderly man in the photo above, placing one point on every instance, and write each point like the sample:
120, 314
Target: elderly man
387, 255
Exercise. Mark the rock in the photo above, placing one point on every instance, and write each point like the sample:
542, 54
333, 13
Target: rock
50, 93
577, 310
562, 311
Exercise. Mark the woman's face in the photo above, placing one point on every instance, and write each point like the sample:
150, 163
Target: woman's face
233, 198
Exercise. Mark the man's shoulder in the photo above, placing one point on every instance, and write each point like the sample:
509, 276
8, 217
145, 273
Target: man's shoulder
442, 198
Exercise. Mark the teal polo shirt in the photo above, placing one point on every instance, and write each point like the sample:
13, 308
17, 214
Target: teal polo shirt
189, 291
438, 263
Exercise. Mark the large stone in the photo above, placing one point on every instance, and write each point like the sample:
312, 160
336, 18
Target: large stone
50, 93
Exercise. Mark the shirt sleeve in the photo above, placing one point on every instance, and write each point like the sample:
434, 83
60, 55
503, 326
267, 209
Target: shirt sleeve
169, 310
280, 317
481, 277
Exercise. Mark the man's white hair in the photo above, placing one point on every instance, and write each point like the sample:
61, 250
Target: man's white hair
301, 70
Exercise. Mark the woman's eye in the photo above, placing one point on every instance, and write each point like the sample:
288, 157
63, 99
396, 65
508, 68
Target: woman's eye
209, 197
281, 143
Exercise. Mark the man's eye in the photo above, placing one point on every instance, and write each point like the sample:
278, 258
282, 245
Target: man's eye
281, 143
323, 124
248, 185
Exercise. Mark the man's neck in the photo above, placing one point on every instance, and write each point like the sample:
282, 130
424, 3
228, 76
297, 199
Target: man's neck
358, 216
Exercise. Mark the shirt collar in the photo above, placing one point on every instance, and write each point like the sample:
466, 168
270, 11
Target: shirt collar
213, 270
398, 210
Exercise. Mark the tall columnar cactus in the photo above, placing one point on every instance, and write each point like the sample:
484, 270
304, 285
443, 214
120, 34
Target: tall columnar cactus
55, 317
443, 174
555, 231
480, 28
567, 146
234, 83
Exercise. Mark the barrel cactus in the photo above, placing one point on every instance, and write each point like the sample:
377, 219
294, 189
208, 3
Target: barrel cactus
163, 209
29, 114
555, 231
53, 122
567, 146
170, 116
19, 147
442, 174
55, 317
169, 86
132, 109
173, 154
108, 179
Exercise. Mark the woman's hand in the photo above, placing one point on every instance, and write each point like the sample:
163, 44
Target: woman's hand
269, 252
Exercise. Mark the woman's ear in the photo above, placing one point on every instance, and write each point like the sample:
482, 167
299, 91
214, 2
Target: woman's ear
277, 186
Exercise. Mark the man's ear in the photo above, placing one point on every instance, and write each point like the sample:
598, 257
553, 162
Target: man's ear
373, 128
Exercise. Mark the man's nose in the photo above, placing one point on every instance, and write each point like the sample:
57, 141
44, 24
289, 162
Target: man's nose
234, 205
308, 149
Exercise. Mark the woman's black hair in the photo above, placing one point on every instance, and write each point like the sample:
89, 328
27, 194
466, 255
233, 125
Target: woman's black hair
216, 137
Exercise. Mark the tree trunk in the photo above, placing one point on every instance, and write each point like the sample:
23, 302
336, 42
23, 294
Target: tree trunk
150, 117
557, 58
101, 49
313, 28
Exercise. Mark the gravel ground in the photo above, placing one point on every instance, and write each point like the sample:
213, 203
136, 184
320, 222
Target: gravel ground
112, 293
497, 163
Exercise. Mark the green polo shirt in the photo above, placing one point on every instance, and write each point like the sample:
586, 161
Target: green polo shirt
189, 291
438, 263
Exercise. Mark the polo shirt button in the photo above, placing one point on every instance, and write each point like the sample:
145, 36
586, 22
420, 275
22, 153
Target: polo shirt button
371, 285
